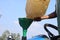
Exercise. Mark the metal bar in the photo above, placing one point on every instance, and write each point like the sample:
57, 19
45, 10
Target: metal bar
58, 13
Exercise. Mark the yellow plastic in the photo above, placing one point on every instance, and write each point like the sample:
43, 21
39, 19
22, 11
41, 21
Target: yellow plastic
36, 8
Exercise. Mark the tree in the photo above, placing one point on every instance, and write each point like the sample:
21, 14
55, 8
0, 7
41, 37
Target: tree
1, 38
7, 33
18, 37
14, 35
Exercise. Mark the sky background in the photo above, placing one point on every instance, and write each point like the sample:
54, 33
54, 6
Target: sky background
11, 10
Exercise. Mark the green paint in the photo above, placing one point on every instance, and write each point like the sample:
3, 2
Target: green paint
25, 23
58, 13
24, 33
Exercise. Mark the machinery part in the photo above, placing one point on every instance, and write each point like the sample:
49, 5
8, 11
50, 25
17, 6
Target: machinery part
52, 36
24, 38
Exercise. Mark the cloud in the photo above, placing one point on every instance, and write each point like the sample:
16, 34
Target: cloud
1, 12
0, 15
16, 22
35, 29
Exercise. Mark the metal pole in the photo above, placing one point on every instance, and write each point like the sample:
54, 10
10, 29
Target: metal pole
58, 13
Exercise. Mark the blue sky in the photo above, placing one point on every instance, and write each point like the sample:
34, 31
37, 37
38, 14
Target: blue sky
11, 10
